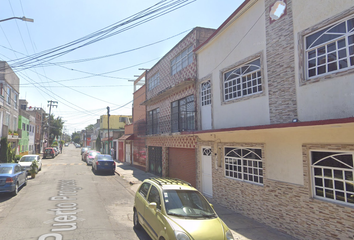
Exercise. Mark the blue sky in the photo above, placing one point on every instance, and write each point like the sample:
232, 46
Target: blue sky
84, 90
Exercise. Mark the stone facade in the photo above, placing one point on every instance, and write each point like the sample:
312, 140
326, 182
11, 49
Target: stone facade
281, 66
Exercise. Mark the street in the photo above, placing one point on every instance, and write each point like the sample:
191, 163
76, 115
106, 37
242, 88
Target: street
67, 201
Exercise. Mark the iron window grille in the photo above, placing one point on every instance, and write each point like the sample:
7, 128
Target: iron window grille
183, 114
330, 49
182, 60
332, 176
243, 81
244, 164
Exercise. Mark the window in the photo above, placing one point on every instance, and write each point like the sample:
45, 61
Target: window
8, 97
2, 89
144, 189
23, 127
244, 164
154, 196
183, 114
122, 119
206, 93
182, 60
153, 121
15, 124
7, 120
15, 100
330, 49
153, 81
332, 176
243, 81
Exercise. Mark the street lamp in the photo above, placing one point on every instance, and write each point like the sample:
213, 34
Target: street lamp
23, 19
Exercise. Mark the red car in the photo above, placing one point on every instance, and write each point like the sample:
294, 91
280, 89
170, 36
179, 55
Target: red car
48, 153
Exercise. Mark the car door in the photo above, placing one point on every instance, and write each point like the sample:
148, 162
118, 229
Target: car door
153, 216
19, 173
141, 201
39, 160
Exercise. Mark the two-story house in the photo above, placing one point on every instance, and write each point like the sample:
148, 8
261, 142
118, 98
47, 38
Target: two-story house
9, 93
171, 109
276, 126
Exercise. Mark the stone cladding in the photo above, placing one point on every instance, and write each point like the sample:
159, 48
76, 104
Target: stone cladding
287, 207
281, 65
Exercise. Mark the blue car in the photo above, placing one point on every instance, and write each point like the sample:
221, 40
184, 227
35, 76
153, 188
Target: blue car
103, 163
12, 177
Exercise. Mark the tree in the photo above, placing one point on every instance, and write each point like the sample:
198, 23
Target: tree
75, 137
56, 127
90, 127
98, 143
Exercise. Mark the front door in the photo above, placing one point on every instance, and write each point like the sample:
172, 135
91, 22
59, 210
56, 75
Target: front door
127, 152
207, 181
155, 160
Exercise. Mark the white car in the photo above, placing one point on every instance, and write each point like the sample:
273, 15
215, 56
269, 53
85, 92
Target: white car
27, 160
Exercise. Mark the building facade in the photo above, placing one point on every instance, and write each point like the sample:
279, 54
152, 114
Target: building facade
171, 109
276, 116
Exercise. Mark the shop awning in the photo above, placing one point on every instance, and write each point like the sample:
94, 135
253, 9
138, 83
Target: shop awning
127, 137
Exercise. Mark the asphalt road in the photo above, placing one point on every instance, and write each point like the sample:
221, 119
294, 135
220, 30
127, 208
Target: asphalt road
66, 201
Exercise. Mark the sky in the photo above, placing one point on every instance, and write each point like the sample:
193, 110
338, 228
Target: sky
89, 76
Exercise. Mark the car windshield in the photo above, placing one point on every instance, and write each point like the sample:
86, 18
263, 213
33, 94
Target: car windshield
187, 204
5, 170
28, 159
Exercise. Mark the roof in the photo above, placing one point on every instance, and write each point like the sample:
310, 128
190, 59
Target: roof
127, 137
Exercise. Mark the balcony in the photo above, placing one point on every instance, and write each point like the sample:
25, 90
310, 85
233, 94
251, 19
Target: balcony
164, 125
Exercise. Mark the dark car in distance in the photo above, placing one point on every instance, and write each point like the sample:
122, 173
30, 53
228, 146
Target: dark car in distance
103, 163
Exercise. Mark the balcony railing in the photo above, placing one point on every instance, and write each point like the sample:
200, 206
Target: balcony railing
165, 125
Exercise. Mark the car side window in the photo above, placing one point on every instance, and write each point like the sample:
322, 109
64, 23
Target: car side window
144, 189
17, 169
154, 196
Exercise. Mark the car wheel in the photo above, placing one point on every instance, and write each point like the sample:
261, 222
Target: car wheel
36, 170
40, 169
136, 220
14, 193
113, 172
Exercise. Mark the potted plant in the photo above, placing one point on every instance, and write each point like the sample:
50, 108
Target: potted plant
34, 169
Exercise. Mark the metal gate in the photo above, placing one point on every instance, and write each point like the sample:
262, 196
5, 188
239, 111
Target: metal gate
155, 160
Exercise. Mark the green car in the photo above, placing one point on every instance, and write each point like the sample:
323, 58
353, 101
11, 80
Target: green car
170, 208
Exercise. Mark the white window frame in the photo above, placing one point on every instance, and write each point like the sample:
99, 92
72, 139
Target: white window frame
182, 60
243, 81
330, 56
244, 164
15, 100
8, 97
153, 82
327, 180
7, 119
205, 90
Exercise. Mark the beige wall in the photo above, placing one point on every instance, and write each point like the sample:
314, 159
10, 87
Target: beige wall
325, 98
282, 147
238, 45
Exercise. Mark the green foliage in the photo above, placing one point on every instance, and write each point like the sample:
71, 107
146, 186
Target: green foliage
33, 168
56, 127
98, 143
3, 150
11, 152
54, 144
76, 137
90, 127
17, 157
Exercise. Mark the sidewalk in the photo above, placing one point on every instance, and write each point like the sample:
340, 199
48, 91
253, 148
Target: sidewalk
243, 228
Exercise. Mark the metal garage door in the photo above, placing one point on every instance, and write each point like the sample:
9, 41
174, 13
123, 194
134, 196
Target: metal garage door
182, 164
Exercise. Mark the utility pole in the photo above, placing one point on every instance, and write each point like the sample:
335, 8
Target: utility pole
50, 105
109, 146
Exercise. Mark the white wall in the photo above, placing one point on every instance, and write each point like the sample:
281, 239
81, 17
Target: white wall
329, 98
231, 46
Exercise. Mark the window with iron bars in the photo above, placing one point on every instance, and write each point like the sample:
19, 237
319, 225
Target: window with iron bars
183, 114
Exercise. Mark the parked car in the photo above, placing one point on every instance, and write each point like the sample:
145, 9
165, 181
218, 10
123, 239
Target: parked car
49, 152
26, 162
85, 149
90, 156
77, 145
57, 151
170, 208
12, 177
66, 144
84, 154
103, 163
